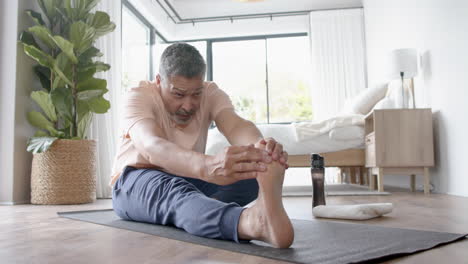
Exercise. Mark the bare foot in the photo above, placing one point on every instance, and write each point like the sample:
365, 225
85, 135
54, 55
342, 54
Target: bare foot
267, 220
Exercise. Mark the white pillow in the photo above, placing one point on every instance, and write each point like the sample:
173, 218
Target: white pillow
385, 103
365, 100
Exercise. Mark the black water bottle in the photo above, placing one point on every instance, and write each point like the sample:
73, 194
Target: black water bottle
318, 180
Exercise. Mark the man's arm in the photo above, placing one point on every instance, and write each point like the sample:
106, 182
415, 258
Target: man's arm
149, 141
239, 131
225, 168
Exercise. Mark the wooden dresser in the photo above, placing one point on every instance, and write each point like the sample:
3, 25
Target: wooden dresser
399, 142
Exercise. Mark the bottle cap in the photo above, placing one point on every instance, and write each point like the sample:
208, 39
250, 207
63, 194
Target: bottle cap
317, 161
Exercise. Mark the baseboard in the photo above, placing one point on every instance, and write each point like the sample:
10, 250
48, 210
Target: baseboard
15, 203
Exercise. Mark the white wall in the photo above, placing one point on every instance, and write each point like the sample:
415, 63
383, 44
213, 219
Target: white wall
439, 30
16, 82
156, 16
8, 32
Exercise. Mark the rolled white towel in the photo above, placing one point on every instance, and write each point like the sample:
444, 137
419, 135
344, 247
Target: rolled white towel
352, 212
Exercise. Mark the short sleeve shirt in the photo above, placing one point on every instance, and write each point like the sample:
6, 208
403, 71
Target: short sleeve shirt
145, 102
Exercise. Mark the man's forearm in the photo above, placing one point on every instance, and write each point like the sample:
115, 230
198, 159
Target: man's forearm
174, 159
244, 133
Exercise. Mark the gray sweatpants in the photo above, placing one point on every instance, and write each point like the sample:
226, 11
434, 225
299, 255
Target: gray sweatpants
153, 196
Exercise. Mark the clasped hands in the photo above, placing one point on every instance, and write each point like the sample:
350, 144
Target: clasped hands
237, 163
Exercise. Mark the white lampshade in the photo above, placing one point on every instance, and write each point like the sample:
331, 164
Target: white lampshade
404, 60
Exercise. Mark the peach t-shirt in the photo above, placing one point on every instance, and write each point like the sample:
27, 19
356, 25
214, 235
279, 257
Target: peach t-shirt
145, 102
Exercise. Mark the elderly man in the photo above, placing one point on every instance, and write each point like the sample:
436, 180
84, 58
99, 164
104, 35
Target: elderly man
162, 176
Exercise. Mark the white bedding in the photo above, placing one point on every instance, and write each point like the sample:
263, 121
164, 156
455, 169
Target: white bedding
294, 145
309, 130
346, 133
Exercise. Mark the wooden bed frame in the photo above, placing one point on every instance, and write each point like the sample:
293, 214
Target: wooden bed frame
350, 161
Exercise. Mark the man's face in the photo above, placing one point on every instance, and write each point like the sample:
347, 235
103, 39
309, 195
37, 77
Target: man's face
181, 96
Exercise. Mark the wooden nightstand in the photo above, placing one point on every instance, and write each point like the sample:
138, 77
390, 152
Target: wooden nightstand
399, 142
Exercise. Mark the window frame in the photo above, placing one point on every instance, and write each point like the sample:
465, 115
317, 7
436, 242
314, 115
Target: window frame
145, 22
209, 49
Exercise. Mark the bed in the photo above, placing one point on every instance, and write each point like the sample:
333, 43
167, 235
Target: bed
340, 139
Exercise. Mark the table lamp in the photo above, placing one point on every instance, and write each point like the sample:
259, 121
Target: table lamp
405, 65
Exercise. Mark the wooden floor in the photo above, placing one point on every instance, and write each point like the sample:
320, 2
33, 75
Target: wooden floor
34, 234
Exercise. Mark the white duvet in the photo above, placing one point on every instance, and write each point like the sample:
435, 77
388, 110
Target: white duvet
308, 130
334, 134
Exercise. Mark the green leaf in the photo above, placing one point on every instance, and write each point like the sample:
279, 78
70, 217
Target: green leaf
69, 10
44, 35
63, 14
43, 100
100, 21
58, 82
92, 84
88, 94
28, 39
101, 66
48, 7
97, 66
36, 17
38, 55
90, 4
62, 99
82, 109
82, 36
81, 9
89, 54
62, 76
83, 125
46, 60
62, 67
66, 47
38, 120
98, 105
40, 144
41, 133
43, 73
85, 75
65, 128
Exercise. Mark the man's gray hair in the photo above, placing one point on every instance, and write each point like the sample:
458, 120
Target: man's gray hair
182, 59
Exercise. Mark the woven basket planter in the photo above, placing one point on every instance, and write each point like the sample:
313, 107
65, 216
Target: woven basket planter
65, 173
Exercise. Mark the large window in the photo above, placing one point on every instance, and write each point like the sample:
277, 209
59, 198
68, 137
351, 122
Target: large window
267, 79
141, 55
136, 50
288, 63
239, 69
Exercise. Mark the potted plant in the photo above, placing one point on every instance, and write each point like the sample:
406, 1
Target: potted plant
62, 43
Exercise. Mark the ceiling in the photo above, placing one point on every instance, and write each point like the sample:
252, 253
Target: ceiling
199, 10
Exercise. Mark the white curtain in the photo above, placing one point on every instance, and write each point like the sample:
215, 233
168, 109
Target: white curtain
104, 127
338, 59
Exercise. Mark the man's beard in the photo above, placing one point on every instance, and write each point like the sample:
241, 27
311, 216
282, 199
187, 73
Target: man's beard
182, 117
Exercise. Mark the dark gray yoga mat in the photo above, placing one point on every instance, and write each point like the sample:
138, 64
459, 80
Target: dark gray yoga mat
315, 241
